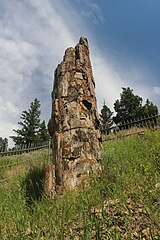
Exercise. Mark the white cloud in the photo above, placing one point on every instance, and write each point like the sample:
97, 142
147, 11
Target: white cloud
156, 90
6, 130
108, 82
110, 79
8, 107
93, 13
33, 38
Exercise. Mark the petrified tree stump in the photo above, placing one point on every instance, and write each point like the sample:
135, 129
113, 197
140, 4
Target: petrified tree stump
74, 121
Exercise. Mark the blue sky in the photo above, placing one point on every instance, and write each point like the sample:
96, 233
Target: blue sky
124, 39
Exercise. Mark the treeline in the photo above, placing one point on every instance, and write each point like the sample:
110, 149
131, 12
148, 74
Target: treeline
127, 108
33, 131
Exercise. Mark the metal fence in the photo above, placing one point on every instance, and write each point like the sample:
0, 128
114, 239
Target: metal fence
131, 127
24, 149
15, 160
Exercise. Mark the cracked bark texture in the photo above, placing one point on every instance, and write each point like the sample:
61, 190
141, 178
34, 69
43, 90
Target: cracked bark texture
74, 121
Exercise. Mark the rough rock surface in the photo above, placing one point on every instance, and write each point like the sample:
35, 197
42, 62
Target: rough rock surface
74, 121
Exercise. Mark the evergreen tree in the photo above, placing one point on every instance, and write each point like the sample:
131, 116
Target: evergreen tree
30, 124
3, 144
150, 109
130, 107
43, 132
105, 119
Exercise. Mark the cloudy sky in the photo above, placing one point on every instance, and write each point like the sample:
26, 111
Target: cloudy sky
124, 39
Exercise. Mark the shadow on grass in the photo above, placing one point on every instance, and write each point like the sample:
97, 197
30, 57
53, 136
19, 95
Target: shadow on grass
33, 185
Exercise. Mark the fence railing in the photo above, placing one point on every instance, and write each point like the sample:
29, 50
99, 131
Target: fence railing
131, 127
119, 131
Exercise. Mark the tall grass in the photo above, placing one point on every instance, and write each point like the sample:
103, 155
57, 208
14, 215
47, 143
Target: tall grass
20, 164
123, 202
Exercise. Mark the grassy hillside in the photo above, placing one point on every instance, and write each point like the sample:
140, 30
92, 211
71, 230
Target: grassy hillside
11, 166
122, 203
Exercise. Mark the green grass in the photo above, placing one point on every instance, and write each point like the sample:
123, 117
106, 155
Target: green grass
123, 202
20, 164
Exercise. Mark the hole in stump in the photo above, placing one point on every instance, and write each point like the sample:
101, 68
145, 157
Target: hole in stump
87, 104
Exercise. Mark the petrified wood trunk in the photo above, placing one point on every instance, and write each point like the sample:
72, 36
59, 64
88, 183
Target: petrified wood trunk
74, 121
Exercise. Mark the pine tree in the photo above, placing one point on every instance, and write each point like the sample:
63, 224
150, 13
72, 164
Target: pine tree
105, 119
150, 109
3, 144
30, 124
43, 132
129, 107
